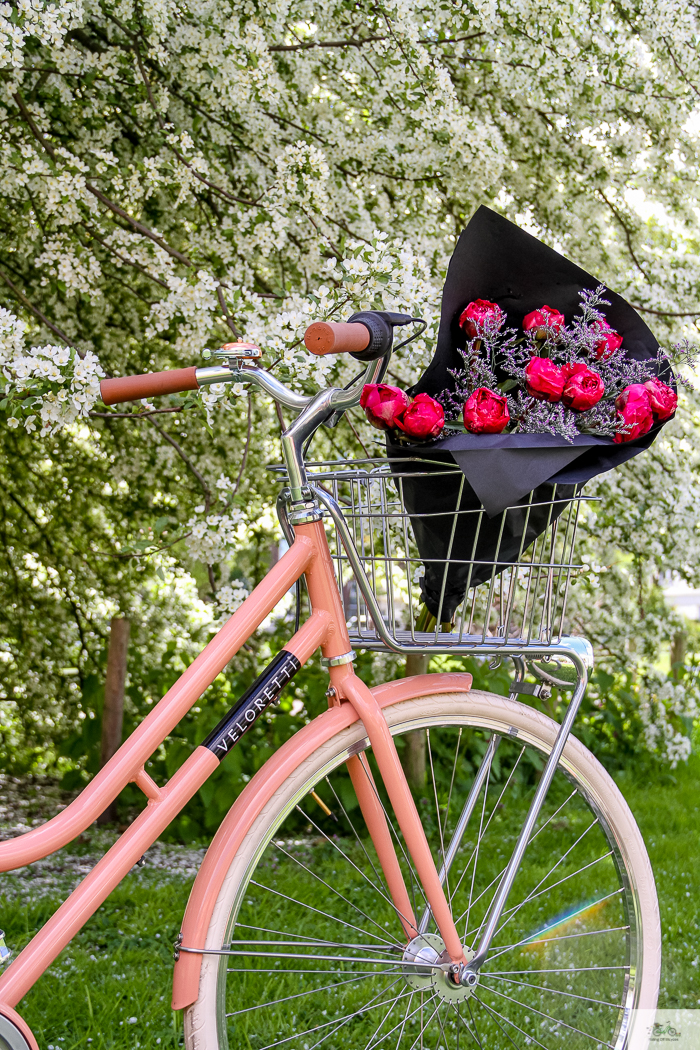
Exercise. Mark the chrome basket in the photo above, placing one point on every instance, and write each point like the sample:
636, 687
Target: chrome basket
521, 601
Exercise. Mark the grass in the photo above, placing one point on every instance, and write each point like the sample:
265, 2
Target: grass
111, 986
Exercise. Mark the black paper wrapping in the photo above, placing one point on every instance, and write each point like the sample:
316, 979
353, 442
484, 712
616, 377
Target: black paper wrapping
496, 260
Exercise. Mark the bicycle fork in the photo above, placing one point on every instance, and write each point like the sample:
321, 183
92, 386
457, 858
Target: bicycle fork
465, 973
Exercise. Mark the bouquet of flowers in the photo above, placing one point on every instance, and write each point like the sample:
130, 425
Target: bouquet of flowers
546, 377
530, 400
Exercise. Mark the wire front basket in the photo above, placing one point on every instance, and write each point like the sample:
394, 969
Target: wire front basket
488, 581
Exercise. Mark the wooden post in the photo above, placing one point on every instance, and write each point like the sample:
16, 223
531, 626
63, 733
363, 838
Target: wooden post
679, 650
113, 710
414, 753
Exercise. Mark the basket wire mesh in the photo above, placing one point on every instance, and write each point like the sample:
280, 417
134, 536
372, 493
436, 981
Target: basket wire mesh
521, 599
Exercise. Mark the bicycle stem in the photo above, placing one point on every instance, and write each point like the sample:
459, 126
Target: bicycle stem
324, 405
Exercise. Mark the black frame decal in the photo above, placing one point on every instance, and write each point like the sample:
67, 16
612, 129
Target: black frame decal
264, 691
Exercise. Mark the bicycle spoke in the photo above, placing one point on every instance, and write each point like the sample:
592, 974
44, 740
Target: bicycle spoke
383, 1020
531, 896
476, 1029
331, 888
564, 936
550, 991
437, 813
500, 873
476, 850
326, 1024
310, 907
346, 1020
354, 830
403, 1025
320, 941
491, 815
420, 1034
452, 778
512, 912
555, 1020
529, 1038
415, 881
298, 995
353, 865
563, 969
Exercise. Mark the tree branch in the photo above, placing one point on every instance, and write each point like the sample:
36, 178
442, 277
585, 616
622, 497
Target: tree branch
224, 310
188, 463
103, 198
308, 45
122, 258
628, 236
37, 313
246, 448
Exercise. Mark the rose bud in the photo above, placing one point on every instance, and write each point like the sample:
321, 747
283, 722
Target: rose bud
543, 321
424, 418
477, 314
583, 389
486, 412
383, 404
610, 342
662, 398
544, 380
634, 410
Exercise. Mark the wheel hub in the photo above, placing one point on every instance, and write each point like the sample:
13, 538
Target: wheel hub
435, 975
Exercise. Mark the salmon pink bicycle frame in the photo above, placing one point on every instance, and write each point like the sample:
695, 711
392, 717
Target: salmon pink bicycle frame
349, 699
369, 338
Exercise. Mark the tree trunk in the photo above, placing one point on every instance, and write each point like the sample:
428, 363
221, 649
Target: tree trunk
679, 649
113, 710
413, 759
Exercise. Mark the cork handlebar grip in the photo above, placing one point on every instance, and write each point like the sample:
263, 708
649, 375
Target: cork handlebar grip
331, 337
133, 388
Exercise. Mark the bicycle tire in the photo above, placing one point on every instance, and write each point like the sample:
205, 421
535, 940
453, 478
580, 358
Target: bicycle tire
632, 986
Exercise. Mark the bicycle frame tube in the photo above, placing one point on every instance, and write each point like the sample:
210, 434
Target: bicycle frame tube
326, 627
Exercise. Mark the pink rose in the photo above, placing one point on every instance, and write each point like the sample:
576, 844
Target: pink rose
544, 380
662, 398
424, 418
634, 410
486, 412
544, 321
609, 343
477, 314
384, 404
583, 389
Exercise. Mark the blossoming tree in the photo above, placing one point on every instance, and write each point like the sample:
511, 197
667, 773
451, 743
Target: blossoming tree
175, 174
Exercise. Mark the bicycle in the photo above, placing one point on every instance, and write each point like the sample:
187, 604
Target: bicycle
512, 904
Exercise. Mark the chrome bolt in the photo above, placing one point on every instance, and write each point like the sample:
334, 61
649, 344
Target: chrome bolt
468, 978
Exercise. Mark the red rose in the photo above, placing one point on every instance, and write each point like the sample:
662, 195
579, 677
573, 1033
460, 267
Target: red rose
544, 380
544, 321
477, 314
486, 412
583, 388
383, 404
424, 418
634, 410
610, 342
662, 398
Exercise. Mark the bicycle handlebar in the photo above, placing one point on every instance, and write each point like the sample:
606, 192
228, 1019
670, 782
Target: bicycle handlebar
133, 388
333, 337
367, 336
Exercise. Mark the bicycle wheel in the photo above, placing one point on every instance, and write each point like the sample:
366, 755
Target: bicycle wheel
319, 958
